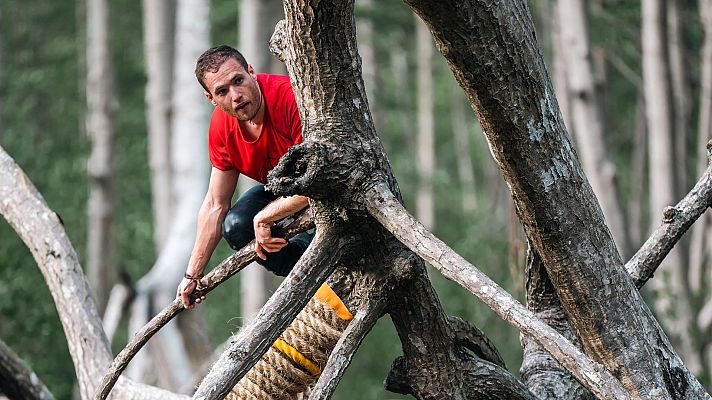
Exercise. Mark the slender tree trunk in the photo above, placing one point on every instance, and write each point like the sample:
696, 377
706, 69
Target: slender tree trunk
586, 116
465, 169
672, 301
561, 87
100, 165
425, 161
638, 189
158, 25
682, 105
700, 252
172, 347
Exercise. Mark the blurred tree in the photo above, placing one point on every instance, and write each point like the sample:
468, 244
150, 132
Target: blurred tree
158, 32
425, 150
586, 119
672, 302
101, 246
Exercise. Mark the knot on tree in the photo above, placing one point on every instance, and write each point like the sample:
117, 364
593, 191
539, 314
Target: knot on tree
397, 380
669, 214
318, 170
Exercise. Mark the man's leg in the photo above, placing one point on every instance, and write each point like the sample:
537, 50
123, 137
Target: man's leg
238, 230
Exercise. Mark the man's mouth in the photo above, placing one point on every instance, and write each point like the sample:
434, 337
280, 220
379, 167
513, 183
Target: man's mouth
242, 106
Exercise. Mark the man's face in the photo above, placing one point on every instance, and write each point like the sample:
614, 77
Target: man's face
234, 90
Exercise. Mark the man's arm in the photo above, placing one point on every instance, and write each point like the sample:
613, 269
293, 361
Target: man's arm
209, 230
263, 221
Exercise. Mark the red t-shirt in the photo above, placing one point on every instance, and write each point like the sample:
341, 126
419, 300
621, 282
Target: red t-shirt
281, 129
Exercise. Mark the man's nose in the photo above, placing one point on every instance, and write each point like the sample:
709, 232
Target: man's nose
235, 94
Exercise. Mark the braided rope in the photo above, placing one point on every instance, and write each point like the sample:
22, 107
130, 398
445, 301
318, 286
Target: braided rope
293, 363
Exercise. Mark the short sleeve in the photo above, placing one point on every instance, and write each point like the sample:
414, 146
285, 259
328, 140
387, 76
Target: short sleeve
217, 143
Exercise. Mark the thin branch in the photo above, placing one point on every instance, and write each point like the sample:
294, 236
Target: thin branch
676, 221
17, 381
345, 348
392, 215
218, 275
252, 341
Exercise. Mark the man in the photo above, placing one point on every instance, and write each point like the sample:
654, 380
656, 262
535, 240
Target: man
255, 121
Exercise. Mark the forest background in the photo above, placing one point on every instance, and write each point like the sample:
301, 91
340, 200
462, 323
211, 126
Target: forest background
43, 107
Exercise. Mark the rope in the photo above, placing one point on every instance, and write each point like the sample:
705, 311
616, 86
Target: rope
295, 360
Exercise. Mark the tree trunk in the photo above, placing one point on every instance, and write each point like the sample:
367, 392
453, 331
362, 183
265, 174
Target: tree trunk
493, 53
461, 124
158, 29
561, 86
100, 165
672, 300
172, 346
682, 106
586, 117
425, 161
700, 252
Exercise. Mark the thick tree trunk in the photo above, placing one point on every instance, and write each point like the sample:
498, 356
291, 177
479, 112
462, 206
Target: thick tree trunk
586, 116
672, 299
100, 165
158, 26
425, 160
157, 288
493, 53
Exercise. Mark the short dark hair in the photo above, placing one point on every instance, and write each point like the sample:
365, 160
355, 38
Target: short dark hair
213, 58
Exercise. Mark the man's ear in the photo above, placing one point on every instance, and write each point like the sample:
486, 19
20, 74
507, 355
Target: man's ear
250, 70
210, 97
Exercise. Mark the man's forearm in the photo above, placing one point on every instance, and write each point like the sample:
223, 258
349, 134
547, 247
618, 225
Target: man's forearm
207, 236
280, 208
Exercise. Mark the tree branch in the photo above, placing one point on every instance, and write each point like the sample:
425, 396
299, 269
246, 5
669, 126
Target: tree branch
345, 348
312, 269
473, 339
17, 381
392, 215
218, 275
676, 221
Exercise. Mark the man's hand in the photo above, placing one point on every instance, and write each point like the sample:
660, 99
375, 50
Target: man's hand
264, 240
185, 289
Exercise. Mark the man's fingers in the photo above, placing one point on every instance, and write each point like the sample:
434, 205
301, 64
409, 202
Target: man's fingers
260, 253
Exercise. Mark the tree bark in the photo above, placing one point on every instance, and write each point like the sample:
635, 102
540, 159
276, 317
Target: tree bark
493, 53
586, 117
17, 381
672, 299
100, 165
425, 161
158, 32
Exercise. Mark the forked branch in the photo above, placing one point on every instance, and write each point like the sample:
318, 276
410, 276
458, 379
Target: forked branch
395, 218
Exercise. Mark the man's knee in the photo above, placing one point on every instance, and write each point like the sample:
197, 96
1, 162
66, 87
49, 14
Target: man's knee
238, 229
